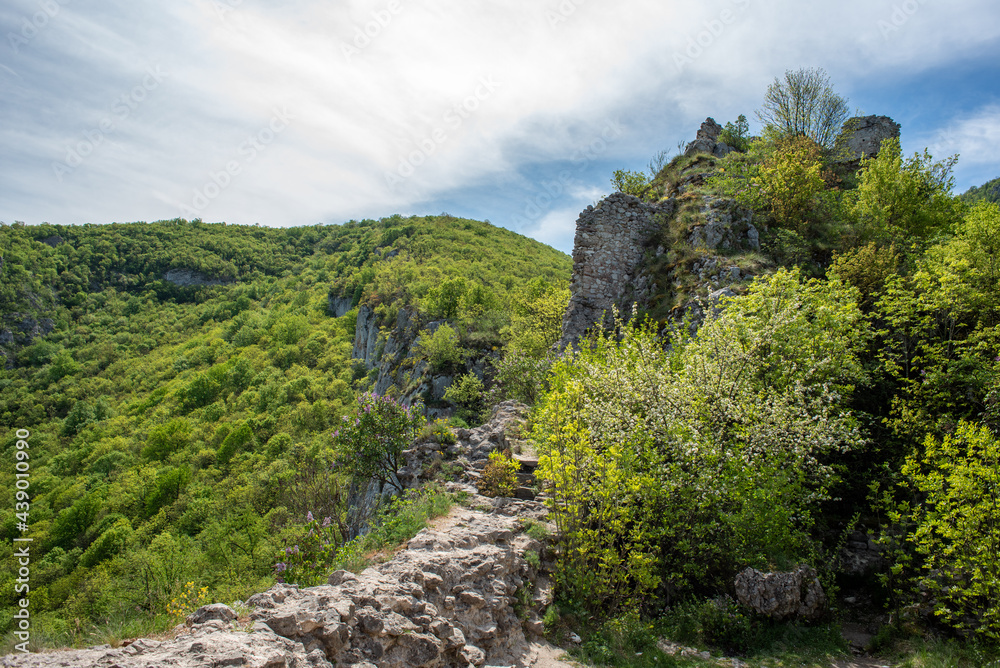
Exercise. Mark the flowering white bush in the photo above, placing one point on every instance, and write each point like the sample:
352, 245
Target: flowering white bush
676, 466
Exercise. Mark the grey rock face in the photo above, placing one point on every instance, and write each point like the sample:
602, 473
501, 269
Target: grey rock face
189, 277
862, 136
207, 613
609, 244
707, 140
782, 595
338, 306
365, 337
728, 226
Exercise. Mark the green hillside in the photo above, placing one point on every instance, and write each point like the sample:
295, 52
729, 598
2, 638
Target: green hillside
989, 191
179, 433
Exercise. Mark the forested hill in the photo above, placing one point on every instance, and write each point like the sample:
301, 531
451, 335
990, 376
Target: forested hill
180, 379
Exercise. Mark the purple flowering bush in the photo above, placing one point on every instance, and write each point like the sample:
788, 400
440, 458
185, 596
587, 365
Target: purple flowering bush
306, 562
370, 443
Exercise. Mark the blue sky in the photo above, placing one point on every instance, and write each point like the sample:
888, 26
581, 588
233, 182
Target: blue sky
296, 112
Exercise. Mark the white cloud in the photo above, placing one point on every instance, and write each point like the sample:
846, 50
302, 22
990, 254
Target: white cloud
975, 137
410, 91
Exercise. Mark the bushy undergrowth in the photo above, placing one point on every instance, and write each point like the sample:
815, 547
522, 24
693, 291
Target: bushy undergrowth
672, 469
317, 553
499, 476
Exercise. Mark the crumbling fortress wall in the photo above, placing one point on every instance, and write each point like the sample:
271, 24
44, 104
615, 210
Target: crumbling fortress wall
612, 238
609, 245
862, 136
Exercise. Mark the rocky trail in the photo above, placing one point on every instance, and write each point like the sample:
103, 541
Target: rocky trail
450, 598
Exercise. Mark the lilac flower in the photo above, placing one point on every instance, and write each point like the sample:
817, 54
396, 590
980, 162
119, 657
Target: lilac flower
326, 522
309, 516
280, 567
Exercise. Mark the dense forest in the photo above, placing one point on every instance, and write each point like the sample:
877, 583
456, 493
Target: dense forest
181, 432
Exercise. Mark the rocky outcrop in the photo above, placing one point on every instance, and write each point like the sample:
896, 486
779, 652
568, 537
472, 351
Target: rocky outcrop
727, 226
610, 243
458, 595
707, 140
191, 277
338, 306
365, 336
862, 136
797, 594
472, 448
447, 600
18, 330
212, 644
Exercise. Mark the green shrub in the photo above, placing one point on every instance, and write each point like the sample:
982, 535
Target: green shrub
631, 183
166, 439
441, 348
519, 376
499, 476
439, 432
899, 200
866, 268
466, 392
369, 444
536, 530
237, 441
736, 135
108, 544
673, 469
952, 550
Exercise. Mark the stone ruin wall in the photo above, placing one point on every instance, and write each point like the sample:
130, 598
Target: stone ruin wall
609, 245
862, 136
611, 238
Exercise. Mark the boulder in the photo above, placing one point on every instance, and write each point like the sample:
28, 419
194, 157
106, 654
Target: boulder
707, 140
782, 595
207, 613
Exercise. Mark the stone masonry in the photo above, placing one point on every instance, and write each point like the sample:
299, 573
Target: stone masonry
863, 136
609, 245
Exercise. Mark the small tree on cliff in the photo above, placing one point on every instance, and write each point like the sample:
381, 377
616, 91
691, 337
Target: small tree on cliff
804, 104
369, 444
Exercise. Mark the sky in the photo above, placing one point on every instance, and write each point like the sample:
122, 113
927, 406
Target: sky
300, 112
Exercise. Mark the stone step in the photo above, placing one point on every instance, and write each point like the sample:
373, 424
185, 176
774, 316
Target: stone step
526, 479
528, 464
525, 493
